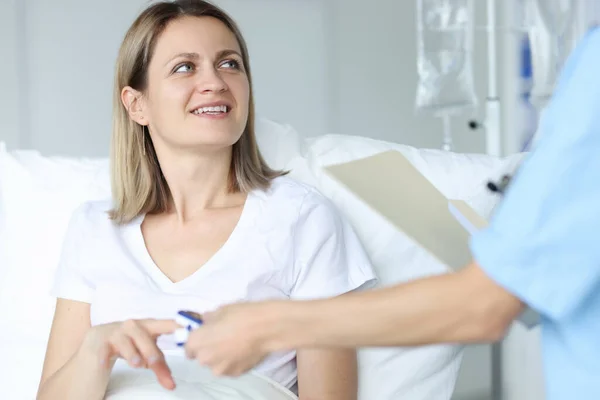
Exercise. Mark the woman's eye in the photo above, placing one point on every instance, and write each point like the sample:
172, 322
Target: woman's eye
184, 68
230, 64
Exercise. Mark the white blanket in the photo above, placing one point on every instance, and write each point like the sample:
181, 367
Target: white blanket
193, 382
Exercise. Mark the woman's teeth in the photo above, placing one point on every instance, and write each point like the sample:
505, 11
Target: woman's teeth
211, 110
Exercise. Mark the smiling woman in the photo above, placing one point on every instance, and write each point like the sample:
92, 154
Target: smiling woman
199, 45
197, 219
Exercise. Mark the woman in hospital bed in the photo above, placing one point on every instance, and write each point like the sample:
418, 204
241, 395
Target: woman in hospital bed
197, 219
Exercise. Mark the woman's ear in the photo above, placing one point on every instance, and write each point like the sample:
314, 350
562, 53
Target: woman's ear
134, 104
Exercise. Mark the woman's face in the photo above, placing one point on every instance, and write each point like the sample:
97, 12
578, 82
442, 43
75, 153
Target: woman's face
198, 91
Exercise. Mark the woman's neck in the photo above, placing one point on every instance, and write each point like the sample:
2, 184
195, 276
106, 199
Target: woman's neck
197, 182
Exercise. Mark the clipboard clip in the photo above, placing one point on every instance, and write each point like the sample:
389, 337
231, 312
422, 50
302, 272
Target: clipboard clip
501, 186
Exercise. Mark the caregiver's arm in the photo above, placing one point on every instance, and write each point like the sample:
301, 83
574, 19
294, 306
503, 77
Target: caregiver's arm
463, 307
69, 373
327, 374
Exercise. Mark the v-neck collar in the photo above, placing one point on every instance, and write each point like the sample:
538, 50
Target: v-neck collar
137, 245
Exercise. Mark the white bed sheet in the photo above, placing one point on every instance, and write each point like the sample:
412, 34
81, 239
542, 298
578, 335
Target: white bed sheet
193, 382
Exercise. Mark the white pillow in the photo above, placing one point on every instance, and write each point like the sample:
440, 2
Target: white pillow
428, 372
3, 266
38, 195
278, 143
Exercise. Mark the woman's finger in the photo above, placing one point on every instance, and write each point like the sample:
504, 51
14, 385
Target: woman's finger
145, 342
157, 327
107, 356
124, 347
163, 374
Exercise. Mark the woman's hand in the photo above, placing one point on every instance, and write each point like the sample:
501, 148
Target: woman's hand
135, 342
235, 338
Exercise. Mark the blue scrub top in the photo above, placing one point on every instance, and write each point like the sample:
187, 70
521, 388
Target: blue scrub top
543, 243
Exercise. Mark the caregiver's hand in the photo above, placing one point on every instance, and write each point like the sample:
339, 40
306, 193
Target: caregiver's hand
235, 338
134, 341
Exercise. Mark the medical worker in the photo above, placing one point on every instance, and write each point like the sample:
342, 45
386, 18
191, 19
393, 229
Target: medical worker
541, 250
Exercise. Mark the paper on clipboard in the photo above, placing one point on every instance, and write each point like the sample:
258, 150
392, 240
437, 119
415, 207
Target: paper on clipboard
466, 216
394, 188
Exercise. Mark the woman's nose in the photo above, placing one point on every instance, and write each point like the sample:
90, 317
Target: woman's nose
211, 81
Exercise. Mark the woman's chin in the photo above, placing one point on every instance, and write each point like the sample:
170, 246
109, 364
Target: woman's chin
208, 145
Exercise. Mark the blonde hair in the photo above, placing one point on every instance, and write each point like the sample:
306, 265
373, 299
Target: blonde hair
138, 185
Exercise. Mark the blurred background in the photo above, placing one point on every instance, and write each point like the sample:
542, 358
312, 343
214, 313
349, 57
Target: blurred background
335, 66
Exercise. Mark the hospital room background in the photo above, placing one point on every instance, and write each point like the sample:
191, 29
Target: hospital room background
321, 66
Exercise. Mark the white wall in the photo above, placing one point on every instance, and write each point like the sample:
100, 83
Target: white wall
67, 50
288, 58
9, 82
343, 66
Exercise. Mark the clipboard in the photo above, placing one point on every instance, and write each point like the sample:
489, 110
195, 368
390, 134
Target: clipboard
390, 185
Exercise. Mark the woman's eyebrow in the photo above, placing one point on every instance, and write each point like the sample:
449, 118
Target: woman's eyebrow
228, 52
190, 56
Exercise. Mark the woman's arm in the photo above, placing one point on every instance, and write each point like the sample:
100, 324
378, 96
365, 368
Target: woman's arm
327, 374
69, 373
79, 358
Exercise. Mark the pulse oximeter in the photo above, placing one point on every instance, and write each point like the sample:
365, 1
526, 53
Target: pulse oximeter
189, 321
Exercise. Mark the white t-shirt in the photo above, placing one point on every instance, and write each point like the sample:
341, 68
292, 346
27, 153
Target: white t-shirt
290, 243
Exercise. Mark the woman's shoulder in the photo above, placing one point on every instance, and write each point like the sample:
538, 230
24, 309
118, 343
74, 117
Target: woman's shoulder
297, 198
294, 192
89, 223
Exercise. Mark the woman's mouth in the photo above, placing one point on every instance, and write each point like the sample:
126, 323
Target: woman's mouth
212, 111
